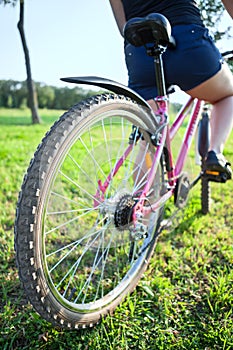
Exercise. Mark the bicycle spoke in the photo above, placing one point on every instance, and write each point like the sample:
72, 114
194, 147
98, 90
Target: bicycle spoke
82, 171
94, 267
86, 210
76, 263
71, 244
91, 156
78, 186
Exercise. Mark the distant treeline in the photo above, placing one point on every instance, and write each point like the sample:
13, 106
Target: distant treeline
13, 94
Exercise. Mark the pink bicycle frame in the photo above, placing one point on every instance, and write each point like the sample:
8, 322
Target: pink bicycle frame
166, 136
175, 169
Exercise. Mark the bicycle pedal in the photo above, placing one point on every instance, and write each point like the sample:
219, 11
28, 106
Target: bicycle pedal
215, 176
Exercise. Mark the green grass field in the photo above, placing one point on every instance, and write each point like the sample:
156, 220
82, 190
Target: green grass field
184, 301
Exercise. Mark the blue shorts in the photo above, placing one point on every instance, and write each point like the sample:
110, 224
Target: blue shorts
194, 60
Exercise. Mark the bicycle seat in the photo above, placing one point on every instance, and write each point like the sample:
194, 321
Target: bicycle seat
154, 28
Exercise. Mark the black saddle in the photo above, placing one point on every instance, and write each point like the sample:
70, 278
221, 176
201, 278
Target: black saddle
154, 28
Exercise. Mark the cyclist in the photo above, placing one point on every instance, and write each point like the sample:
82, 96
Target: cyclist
195, 65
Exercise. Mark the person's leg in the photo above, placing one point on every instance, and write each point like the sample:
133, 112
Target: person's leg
221, 123
218, 91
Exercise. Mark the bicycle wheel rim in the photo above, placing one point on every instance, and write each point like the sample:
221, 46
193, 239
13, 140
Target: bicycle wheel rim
64, 288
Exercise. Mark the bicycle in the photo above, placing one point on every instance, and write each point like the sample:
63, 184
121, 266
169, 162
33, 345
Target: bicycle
92, 203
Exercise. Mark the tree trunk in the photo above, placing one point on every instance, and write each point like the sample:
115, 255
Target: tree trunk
32, 96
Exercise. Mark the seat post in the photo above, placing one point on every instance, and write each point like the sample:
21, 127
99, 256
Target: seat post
156, 52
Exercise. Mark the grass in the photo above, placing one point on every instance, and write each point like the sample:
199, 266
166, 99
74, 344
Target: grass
185, 300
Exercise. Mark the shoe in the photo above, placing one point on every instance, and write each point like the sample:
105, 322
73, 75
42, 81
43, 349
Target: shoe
217, 167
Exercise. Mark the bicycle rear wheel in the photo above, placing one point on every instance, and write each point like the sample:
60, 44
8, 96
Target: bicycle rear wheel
76, 254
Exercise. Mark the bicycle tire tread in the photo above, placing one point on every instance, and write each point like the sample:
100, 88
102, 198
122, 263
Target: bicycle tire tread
28, 200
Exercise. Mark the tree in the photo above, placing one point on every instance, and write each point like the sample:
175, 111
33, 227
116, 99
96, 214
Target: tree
32, 96
212, 11
46, 95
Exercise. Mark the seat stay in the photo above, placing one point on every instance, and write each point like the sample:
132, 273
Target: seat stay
140, 209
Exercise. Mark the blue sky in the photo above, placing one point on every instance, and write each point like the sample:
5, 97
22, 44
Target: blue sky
65, 38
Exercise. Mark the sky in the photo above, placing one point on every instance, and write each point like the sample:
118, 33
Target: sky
64, 38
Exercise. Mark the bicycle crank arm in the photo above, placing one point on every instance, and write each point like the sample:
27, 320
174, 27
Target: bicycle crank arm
195, 181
